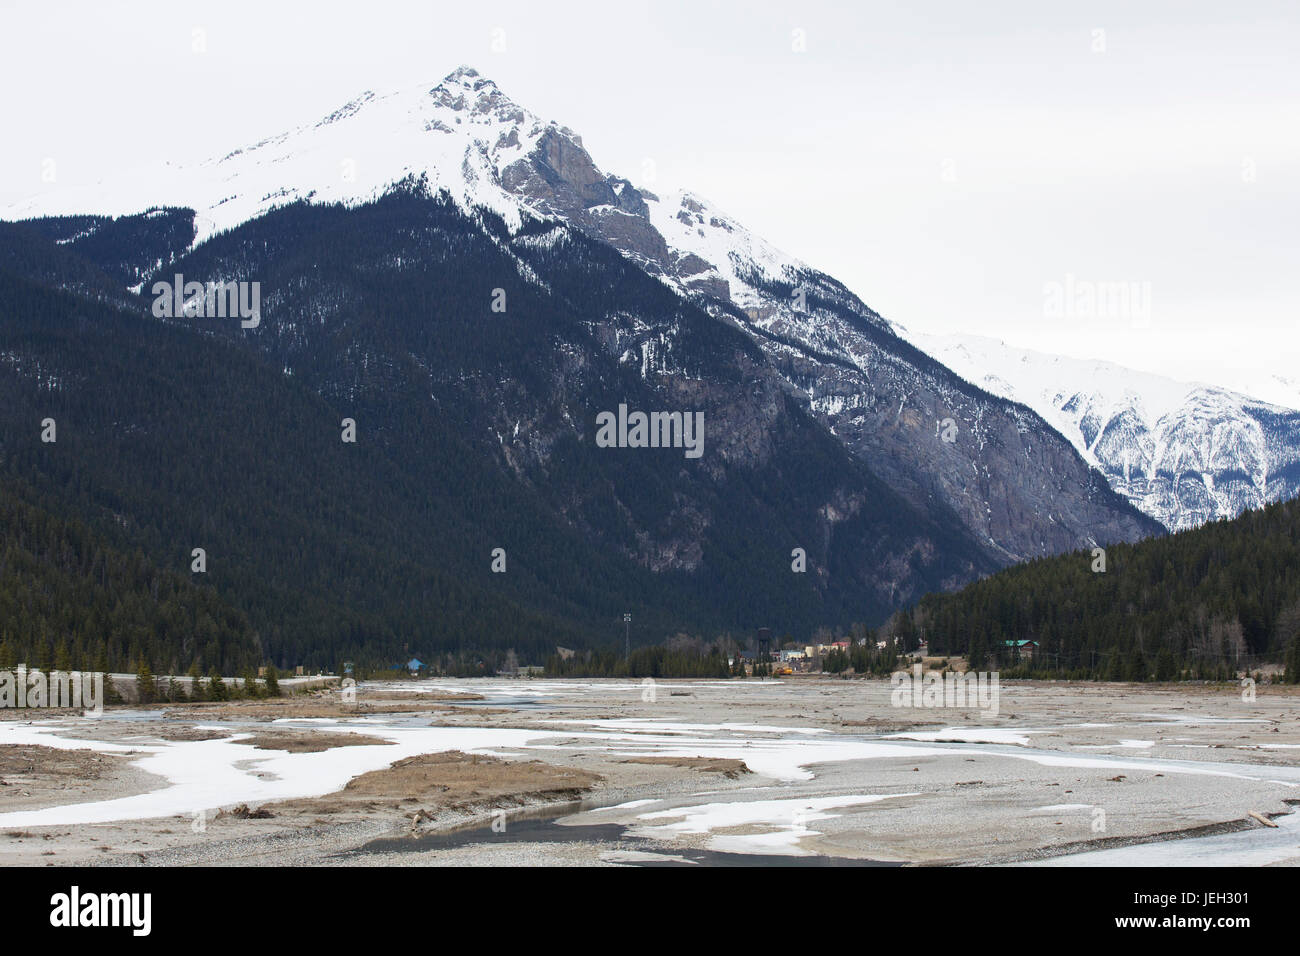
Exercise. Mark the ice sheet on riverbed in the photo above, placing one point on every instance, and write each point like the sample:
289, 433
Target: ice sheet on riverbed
785, 822
203, 775
651, 725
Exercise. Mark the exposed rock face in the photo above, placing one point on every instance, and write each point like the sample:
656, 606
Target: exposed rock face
1012, 480
559, 179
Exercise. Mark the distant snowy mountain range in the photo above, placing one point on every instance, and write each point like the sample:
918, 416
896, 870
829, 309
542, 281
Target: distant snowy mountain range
1180, 454
1183, 453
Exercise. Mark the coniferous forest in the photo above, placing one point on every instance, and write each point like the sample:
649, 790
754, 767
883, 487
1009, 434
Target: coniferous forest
1207, 603
69, 600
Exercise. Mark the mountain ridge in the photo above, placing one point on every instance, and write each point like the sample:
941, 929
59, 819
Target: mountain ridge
1012, 481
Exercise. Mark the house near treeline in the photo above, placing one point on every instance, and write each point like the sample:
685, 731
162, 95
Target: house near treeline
1025, 649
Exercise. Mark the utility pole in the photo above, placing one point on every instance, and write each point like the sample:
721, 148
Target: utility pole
627, 637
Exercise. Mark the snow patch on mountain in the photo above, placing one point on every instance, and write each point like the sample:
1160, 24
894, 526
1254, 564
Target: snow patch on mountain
727, 252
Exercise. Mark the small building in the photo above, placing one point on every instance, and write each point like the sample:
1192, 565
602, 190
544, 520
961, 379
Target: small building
414, 665
833, 646
1025, 649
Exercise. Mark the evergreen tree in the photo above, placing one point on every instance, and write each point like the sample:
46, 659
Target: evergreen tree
1135, 666
1165, 667
216, 686
144, 684
251, 688
1292, 675
101, 659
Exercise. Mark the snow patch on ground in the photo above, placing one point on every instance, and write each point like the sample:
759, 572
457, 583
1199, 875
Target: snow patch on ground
787, 822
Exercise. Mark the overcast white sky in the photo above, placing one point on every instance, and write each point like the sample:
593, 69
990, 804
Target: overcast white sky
945, 160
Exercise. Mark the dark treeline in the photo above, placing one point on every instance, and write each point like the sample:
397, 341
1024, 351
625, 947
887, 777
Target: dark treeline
863, 659
679, 657
1207, 603
125, 248
150, 689
71, 601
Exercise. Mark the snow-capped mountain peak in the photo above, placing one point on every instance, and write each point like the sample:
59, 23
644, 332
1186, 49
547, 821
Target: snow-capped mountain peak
462, 134
1183, 452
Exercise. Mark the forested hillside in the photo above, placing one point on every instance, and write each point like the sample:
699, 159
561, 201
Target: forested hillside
69, 600
473, 432
1203, 603
167, 441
